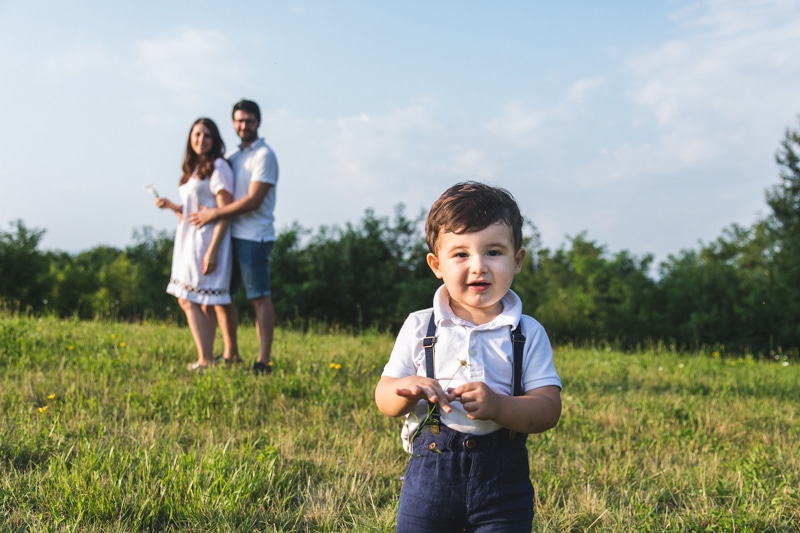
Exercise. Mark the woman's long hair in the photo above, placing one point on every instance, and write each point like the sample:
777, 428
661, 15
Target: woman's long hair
203, 164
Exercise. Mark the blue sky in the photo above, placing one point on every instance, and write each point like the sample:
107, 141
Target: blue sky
651, 126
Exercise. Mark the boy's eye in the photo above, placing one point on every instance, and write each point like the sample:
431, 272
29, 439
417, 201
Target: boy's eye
494, 253
461, 254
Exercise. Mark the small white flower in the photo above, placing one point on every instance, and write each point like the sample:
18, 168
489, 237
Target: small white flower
151, 188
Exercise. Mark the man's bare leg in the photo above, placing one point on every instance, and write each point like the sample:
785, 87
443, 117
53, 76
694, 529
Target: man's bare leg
228, 320
265, 327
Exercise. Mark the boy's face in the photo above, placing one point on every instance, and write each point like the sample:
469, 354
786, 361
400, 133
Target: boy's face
477, 268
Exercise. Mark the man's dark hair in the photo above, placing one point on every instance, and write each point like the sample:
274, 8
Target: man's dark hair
248, 106
471, 206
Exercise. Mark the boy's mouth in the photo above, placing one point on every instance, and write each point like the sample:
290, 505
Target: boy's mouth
478, 284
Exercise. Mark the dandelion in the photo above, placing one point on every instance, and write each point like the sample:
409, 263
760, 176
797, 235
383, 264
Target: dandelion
334, 366
151, 188
51, 397
113, 335
42, 409
462, 363
785, 363
680, 365
71, 347
715, 354
122, 344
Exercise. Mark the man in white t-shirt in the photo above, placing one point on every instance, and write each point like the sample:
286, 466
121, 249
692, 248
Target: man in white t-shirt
255, 171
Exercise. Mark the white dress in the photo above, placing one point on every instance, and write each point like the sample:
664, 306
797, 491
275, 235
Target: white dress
187, 280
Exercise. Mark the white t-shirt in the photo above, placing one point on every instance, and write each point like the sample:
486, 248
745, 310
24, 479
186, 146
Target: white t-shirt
465, 353
257, 162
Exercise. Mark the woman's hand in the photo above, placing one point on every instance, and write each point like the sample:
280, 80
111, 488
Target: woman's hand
209, 262
166, 203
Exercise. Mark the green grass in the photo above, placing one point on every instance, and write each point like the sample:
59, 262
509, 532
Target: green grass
103, 430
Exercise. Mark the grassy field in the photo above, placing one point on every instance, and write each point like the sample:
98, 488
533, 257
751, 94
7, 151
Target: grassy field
103, 430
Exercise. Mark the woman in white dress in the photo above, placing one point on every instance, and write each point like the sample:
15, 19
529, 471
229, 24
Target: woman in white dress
201, 259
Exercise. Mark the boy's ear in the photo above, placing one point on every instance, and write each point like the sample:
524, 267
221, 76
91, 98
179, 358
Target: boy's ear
433, 263
519, 257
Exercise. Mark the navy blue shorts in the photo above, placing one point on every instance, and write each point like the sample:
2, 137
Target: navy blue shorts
251, 267
456, 482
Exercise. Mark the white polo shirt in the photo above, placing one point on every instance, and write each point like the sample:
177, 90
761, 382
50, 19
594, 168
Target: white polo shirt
257, 162
465, 353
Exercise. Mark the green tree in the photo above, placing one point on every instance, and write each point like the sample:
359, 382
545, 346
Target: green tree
24, 282
150, 258
783, 226
370, 274
580, 294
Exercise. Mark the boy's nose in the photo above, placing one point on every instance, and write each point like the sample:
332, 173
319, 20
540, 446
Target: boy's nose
478, 265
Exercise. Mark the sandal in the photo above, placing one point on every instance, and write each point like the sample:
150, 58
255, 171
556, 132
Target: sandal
228, 362
197, 367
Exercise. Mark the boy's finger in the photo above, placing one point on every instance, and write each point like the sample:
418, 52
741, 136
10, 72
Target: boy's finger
444, 402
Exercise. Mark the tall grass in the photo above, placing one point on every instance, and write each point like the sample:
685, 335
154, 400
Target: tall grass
103, 430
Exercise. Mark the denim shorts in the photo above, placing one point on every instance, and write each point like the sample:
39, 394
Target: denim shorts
251, 267
458, 482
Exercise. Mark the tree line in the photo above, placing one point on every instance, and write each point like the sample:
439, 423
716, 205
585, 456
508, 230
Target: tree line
738, 294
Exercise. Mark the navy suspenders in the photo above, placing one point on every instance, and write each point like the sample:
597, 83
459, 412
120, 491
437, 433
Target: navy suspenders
517, 340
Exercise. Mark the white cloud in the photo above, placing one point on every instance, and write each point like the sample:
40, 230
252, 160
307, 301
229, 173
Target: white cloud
519, 125
470, 164
354, 162
530, 128
580, 90
718, 68
712, 93
73, 61
363, 145
192, 65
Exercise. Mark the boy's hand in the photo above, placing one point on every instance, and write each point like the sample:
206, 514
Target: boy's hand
420, 388
479, 400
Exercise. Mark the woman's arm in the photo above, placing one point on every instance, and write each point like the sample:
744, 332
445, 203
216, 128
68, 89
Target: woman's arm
255, 196
210, 258
166, 203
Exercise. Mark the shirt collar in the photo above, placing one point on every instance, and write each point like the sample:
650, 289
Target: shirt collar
255, 144
509, 316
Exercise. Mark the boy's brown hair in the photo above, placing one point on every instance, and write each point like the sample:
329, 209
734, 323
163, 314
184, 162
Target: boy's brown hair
472, 206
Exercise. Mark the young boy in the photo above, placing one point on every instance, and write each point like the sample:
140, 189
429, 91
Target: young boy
468, 405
